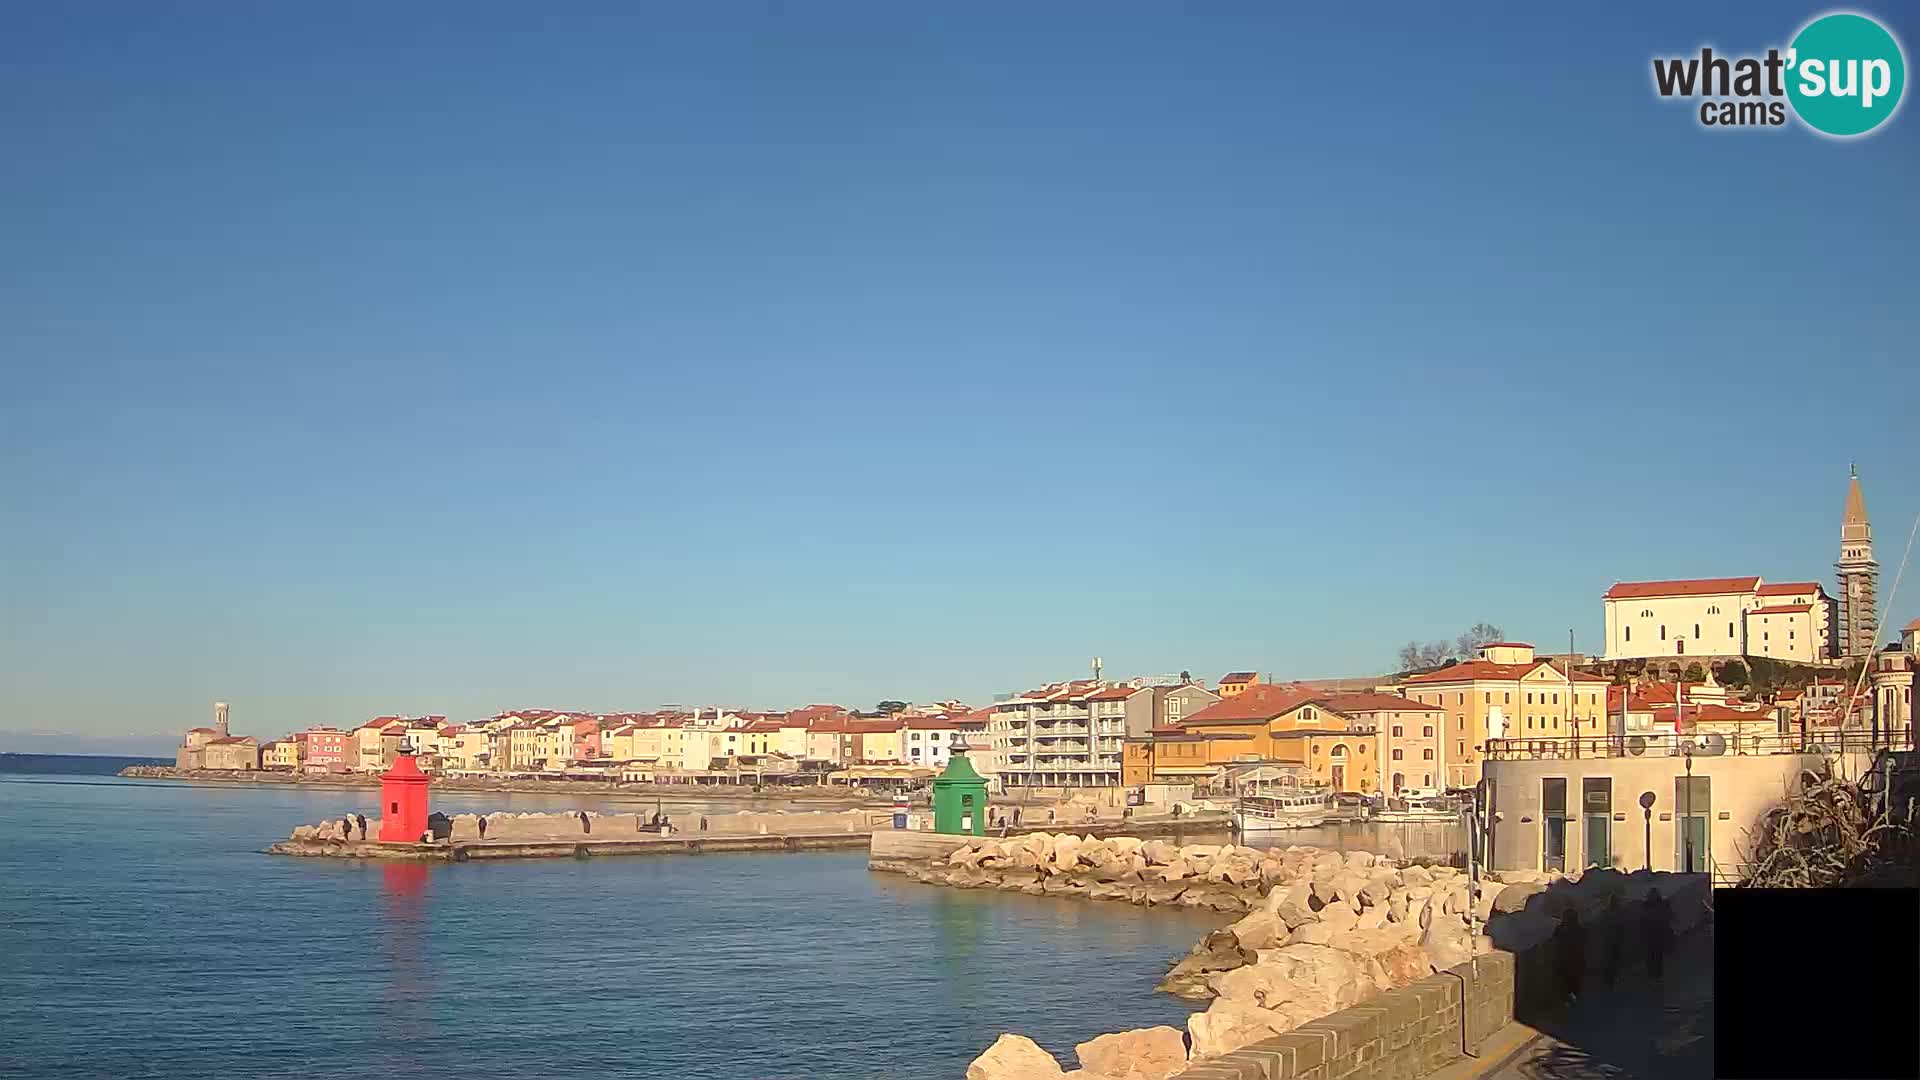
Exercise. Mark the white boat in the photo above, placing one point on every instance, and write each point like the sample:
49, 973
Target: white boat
1299, 808
1417, 810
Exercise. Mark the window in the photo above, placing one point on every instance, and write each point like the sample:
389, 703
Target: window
1306, 714
1462, 748
1529, 699
1663, 631
1553, 798
1696, 630
1596, 803
1629, 633
1398, 731
1646, 613
1714, 610
1556, 699
1487, 698
1427, 753
1427, 731
1427, 780
1397, 755
1729, 629
1459, 699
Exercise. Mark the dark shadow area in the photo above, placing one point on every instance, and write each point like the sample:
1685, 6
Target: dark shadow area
1636, 1026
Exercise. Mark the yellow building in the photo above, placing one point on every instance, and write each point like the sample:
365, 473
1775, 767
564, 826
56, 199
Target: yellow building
878, 741
1506, 693
523, 747
1265, 723
280, 754
663, 742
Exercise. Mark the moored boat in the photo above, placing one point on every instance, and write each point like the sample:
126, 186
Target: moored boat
1301, 808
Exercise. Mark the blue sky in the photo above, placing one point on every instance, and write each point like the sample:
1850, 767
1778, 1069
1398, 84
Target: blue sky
459, 358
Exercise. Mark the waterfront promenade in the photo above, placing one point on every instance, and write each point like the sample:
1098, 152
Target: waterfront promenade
1638, 1030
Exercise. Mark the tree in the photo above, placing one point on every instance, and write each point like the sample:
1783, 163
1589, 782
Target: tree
888, 708
1417, 657
1478, 636
1694, 673
1734, 674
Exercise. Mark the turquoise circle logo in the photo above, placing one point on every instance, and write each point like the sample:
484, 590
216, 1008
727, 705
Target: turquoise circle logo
1845, 74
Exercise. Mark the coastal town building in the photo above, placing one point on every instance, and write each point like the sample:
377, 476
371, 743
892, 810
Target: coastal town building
281, 754
1892, 675
324, 750
876, 740
1704, 797
237, 753
1268, 725
1715, 618
1505, 691
192, 752
1235, 683
928, 740
1859, 574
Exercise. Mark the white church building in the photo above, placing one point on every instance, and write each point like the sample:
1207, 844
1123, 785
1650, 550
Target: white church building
1720, 617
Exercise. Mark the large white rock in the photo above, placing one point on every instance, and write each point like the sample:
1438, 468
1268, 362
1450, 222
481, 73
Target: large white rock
1014, 1057
1226, 1026
1319, 978
1448, 941
1259, 930
1153, 1053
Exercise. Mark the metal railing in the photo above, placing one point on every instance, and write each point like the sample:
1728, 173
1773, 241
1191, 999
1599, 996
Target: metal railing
1700, 745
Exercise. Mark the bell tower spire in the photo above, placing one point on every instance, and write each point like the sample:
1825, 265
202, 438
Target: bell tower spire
1859, 575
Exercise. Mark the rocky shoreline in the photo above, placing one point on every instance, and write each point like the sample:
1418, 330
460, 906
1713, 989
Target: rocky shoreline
1319, 932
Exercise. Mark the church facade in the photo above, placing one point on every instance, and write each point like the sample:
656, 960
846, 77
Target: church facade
1721, 618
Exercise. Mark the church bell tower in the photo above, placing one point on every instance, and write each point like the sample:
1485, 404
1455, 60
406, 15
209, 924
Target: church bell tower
1859, 576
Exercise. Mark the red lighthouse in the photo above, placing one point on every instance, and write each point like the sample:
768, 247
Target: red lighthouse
403, 802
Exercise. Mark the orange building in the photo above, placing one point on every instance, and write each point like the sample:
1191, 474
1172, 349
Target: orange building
1267, 724
1235, 683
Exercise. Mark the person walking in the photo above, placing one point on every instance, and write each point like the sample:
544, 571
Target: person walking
1016, 817
361, 820
1570, 950
1613, 934
1656, 930
483, 826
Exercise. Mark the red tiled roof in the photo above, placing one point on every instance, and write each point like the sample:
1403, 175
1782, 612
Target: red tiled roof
1261, 701
1788, 588
1115, 693
873, 726
230, 740
933, 723
1783, 609
208, 730
1239, 676
768, 724
1488, 670
1914, 625
1631, 590
1372, 702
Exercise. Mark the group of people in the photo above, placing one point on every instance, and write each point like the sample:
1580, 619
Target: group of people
1570, 943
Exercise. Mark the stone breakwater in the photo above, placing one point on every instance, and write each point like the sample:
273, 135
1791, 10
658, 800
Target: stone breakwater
1319, 932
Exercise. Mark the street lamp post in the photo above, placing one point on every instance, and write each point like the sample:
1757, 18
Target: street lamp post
1686, 815
1646, 811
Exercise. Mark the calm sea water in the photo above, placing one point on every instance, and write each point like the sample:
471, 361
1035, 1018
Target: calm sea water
142, 934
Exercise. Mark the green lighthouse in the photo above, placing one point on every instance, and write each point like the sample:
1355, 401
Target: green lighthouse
959, 796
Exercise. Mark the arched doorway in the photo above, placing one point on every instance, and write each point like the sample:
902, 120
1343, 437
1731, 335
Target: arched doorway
1337, 763
1399, 781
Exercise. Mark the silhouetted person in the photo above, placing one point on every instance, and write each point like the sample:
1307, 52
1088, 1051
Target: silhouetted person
1656, 928
346, 827
585, 825
1570, 950
1613, 934
1016, 817
361, 820
483, 828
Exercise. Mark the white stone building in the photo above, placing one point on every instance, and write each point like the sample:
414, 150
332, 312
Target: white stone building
1719, 617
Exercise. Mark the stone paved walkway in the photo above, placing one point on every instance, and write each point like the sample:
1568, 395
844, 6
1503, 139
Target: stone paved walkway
1640, 1030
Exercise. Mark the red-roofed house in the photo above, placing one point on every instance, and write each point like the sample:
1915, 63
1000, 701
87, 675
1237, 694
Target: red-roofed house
1235, 683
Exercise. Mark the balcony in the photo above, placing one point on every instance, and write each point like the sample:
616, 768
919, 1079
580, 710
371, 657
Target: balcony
1701, 745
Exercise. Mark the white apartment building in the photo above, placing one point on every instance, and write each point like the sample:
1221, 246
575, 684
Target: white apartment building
1058, 736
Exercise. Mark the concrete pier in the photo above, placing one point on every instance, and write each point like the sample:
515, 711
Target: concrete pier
586, 847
